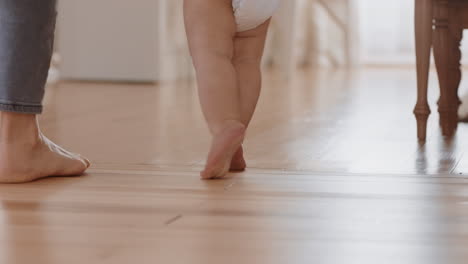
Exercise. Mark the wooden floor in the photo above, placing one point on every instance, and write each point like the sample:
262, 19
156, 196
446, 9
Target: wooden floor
336, 176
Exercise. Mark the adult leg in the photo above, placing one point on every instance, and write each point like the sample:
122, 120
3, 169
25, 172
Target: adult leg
248, 53
26, 40
211, 28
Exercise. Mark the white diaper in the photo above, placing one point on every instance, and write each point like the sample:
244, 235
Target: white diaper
250, 14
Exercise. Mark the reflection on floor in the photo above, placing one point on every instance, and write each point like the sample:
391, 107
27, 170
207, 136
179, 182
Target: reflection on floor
336, 176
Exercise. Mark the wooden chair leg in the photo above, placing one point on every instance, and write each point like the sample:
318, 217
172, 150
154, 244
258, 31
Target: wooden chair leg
456, 65
447, 55
455, 76
423, 28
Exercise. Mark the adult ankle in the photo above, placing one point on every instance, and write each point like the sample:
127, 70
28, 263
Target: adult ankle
18, 127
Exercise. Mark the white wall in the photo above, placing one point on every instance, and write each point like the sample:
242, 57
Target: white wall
121, 40
109, 39
386, 32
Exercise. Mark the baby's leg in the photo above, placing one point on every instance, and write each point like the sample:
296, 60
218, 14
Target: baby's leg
211, 28
248, 52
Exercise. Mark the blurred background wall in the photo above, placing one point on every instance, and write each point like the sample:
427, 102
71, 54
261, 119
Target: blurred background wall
144, 40
386, 32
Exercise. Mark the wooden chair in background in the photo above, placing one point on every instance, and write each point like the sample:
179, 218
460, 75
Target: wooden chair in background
439, 25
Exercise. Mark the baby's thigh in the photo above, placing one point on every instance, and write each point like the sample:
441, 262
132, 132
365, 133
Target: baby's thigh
210, 27
249, 45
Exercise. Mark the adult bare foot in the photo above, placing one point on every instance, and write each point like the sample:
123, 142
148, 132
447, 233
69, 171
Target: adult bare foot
223, 147
238, 162
27, 155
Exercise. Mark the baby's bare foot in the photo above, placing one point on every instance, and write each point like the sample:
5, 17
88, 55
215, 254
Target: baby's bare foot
223, 147
238, 162
27, 155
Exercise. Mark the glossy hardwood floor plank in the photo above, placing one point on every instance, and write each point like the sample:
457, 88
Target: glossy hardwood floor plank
336, 175
354, 121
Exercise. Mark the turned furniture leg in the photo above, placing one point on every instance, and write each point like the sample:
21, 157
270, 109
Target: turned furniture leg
447, 37
423, 28
455, 72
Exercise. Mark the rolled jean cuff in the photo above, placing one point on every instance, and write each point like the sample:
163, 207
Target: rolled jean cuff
26, 45
21, 108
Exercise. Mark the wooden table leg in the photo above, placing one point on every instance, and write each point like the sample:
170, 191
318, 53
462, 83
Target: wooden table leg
423, 28
447, 38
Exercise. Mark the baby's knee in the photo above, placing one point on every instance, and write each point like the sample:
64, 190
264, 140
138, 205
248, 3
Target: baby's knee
204, 55
246, 59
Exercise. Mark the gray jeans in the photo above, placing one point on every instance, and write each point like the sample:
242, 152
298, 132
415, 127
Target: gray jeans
26, 46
